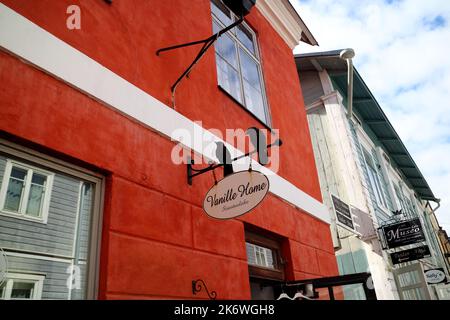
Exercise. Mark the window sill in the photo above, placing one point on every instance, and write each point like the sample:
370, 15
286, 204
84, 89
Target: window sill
22, 217
265, 273
266, 126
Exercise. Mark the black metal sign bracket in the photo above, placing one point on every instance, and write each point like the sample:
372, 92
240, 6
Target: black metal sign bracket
225, 162
197, 287
207, 43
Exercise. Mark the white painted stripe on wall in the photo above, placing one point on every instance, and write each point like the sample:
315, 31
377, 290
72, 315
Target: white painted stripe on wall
30, 42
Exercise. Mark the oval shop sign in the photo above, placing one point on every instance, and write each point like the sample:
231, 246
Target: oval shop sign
236, 194
435, 276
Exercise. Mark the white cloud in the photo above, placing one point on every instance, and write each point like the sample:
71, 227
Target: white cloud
403, 53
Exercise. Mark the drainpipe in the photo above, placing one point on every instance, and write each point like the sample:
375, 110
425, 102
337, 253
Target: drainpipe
348, 55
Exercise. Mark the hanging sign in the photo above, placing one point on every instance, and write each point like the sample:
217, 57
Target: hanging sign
410, 255
236, 194
434, 276
403, 233
343, 214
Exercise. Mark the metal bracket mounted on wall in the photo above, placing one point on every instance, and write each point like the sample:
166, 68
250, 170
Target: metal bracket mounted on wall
197, 287
227, 163
207, 43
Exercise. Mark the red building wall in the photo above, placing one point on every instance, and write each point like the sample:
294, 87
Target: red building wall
156, 239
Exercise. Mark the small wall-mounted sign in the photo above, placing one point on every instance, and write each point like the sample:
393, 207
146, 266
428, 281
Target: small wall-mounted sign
410, 255
435, 276
343, 213
236, 194
403, 233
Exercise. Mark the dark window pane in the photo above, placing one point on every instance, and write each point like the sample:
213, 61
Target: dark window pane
246, 38
18, 173
228, 78
226, 47
252, 86
13, 195
250, 70
22, 290
221, 12
254, 101
38, 179
35, 198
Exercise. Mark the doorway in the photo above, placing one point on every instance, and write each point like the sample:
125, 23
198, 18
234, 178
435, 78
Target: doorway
411, 283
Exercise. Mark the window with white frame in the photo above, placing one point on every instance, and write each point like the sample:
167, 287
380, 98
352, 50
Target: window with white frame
25, 191
22, 287
260, 256
401, 200
410, 207
414, 207
374, 180
238, 62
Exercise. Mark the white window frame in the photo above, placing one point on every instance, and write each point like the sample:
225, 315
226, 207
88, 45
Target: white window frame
377, 188
262, 256
401, 199
367, 144
37, 280
256, 57
263, 251
21, 214
391, 177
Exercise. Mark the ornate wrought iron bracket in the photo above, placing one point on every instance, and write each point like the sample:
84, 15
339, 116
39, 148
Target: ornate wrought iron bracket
191, 172
197, 287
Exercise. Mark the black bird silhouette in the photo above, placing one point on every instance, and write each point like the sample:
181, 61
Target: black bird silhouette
258, 140
224, 157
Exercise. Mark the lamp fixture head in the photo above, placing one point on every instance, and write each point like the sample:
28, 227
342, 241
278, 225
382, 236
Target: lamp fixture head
347, 54
240, 8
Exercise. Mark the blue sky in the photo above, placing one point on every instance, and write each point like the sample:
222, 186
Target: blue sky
403, 53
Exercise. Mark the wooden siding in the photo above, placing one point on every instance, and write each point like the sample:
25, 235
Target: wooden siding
55, 272
56, 237
311, 86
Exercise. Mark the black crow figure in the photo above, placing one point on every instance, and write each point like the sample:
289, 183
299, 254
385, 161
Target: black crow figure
224, 157
258, 140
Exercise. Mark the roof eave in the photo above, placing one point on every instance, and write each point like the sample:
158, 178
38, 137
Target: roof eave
286, 21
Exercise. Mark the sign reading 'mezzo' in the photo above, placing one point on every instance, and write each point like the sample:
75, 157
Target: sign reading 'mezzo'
236, 194
403, 233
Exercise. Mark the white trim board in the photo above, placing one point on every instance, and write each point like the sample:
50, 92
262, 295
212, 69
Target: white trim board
285, 20
30, 255
35, 45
